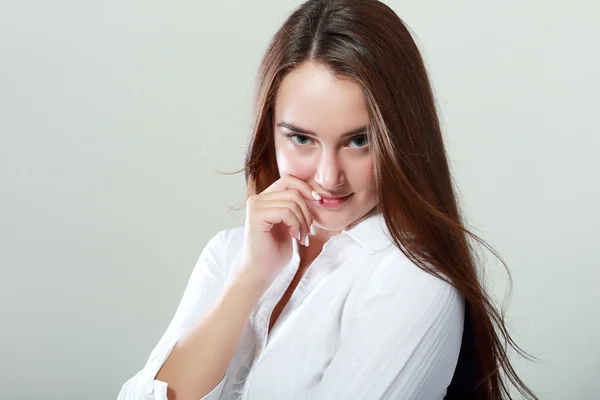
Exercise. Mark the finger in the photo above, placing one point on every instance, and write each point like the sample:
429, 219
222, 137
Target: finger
292, 201
277, 215
294, 195
288, 182
291, 182
255, 205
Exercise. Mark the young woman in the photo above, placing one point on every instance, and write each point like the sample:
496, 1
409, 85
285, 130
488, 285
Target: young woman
353, 276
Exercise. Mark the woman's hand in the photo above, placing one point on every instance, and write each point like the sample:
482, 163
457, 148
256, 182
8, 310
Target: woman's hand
273, 218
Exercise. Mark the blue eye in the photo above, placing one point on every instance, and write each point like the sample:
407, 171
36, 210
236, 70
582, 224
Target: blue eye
360, 139
300, 138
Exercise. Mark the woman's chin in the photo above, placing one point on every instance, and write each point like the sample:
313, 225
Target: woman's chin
331, 226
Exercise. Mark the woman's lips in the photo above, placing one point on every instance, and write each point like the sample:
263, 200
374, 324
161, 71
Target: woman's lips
331, 203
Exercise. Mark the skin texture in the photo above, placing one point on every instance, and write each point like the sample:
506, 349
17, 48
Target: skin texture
313, 99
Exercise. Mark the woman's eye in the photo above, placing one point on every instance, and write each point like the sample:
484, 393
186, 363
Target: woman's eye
300, 139
360, 140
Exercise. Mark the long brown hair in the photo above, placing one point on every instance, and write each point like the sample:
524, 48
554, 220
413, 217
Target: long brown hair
366, 41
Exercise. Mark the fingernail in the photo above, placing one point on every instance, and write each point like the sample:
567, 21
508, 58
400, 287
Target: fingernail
306, 241
313, 231
315, 195
299, 236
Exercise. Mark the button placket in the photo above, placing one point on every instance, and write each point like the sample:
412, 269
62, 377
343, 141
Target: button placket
263, 315
310, 278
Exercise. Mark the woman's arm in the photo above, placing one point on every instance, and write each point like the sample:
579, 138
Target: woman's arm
200, 358
400, 339
192, 356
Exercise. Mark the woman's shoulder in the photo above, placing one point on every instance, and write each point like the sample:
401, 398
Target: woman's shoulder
225, 239
393, 264
223, 248
394, 277
225, 244
229, 238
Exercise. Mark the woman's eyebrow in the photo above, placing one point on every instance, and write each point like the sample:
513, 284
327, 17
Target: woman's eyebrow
296, 129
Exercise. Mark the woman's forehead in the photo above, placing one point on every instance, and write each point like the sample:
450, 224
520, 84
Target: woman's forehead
312, 98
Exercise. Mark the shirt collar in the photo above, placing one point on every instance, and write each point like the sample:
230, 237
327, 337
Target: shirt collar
371, 232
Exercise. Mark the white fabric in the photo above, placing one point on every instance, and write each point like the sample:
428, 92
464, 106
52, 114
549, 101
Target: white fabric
363, 323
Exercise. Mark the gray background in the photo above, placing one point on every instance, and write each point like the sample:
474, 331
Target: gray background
115, 117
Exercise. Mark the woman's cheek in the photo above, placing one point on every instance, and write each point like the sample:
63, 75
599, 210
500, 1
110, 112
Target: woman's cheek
292, 164
360, 174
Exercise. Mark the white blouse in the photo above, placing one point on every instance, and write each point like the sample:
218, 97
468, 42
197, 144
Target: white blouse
364, 322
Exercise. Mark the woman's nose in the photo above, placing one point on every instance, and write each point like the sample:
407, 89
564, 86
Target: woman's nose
329, 174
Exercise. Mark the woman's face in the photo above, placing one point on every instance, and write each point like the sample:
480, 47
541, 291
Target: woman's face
320, 138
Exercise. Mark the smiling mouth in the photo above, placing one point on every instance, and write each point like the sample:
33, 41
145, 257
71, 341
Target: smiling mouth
333, 202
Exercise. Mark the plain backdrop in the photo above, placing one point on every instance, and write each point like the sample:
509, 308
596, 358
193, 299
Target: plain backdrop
116, 118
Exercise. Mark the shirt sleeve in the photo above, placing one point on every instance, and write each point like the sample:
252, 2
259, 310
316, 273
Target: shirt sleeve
400, 341
203, 288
